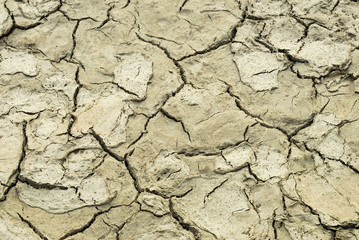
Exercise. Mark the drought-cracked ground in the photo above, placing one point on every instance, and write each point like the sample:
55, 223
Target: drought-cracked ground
179, 120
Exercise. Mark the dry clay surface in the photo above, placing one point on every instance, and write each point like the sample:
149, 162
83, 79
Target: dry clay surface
179, 120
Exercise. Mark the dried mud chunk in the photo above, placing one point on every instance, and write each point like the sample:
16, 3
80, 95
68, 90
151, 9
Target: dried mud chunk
12, 62
331, 141
270, 163
351, 140
88, 40
42, 170
46, 166
103, 187
66, 177
269, 207
145, 226
46, 129
246, 34
153, 203
164, 135
300, 224
343, 179
53, 201
347, 234
133, 74
107, 118
96, 10
5, 20
94, 190
33, 101
61, 82
304, 7
293, 92
11, 143
291, 105
57, 154
80, 164
120, 184
52, 226
183, 30
321, 126
235, 158
299, 160
259, 70
105, 111
165, 77
332, 146
341, 95
221, 206
53, 37
259, 136
321, 57
166, 174
206, 71
271, 148
106, 225
29, 13
268, 8
284, 33
354, 66
345, 16
14, 229
217, 122
99, 53
322, 196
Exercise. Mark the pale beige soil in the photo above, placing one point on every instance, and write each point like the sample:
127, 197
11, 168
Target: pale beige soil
179, 120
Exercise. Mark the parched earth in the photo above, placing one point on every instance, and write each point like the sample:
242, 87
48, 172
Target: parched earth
179, 120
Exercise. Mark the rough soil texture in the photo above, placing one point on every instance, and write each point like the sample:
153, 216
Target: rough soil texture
183, 120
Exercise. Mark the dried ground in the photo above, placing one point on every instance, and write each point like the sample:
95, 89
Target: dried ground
183, 120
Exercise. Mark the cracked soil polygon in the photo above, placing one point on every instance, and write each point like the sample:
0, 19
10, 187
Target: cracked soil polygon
183, 120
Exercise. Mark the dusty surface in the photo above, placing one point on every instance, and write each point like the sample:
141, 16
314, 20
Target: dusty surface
194, 119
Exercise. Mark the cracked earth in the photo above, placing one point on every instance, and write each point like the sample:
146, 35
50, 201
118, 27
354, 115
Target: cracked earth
183, 120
